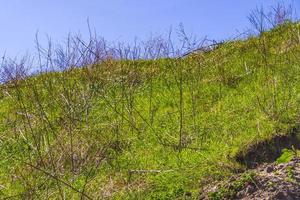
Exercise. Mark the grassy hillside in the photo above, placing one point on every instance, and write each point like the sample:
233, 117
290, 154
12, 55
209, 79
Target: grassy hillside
147, 129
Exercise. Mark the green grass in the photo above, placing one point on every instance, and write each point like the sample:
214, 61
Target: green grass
287, 155
187, 118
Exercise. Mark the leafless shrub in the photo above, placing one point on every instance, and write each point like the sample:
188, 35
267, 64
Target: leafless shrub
263, 20
15, 69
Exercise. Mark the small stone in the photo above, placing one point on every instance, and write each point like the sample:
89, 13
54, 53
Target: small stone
280, 195
272, 189
269, 169
239, 195
249, 190
280, 166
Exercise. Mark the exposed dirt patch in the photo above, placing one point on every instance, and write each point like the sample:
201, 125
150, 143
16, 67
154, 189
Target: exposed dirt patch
274, 182
268, 181
265, 177
268, 151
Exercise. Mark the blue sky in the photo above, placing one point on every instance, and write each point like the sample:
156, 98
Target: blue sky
120, 20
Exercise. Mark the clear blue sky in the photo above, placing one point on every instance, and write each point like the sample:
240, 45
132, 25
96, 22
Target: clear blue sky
120, 20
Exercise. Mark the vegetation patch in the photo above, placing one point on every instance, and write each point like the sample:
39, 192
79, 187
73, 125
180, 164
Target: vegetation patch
287, 155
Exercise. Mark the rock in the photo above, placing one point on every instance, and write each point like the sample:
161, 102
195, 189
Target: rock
280, 166
269, 169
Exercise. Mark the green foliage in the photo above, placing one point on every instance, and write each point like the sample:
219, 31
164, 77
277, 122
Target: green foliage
286, 156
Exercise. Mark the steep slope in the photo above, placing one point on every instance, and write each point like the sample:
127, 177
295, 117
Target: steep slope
148, 129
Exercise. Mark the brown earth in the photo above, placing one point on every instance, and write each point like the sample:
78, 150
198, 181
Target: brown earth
267, 181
